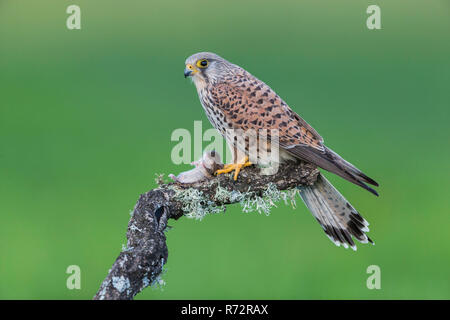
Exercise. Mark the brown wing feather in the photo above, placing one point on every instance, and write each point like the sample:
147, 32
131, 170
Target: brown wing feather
249, 103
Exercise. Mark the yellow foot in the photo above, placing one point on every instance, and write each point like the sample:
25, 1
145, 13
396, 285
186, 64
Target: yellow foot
234, 166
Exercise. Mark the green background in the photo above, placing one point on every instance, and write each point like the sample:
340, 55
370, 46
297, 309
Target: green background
86, 118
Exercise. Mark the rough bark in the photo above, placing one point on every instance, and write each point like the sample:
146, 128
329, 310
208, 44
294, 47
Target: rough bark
140, 264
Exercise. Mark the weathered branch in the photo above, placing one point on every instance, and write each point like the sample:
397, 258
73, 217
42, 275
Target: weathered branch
141, 263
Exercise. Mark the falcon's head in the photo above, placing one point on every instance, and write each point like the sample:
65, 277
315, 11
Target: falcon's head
207, 67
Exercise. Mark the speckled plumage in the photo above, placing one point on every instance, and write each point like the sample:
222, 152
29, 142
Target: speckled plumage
234, 99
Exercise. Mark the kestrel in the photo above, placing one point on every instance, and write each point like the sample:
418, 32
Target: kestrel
236, 101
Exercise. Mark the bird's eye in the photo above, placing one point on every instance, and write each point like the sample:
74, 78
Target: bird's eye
202, 63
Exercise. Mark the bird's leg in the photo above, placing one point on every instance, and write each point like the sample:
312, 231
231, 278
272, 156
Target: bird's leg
235, 166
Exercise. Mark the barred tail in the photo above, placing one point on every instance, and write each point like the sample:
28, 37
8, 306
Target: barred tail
338, 218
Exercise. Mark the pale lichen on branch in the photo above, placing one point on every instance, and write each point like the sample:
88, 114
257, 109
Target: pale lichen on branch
142, 261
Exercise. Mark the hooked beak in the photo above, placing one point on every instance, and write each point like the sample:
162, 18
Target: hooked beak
190, 70
187, 73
